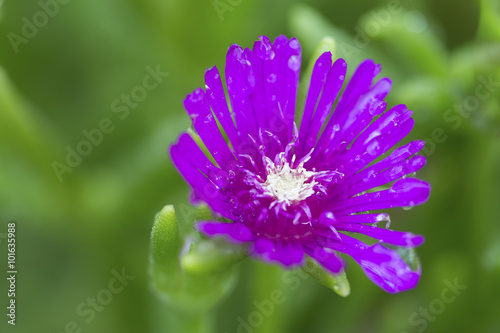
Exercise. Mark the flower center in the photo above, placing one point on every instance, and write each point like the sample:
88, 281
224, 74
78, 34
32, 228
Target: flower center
288, 185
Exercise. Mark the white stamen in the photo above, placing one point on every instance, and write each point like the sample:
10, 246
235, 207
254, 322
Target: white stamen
287, 184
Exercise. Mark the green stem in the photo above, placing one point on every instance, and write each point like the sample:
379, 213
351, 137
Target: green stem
268, 279
179, 321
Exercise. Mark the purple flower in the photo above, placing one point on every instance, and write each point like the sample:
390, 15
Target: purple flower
293, 192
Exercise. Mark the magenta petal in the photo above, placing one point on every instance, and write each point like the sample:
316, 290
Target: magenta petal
345, 111
360, 156
217, 100
369, 105
392, 237
187, 150
287, 253
240, 81
318, 78
384, 124
370, 178
205, 125
407, 192
292, 57
382, 265
364, 218
386, 268
328, 260
400, 154
269, 97
359, 83
329, 94
236, 232
195, 167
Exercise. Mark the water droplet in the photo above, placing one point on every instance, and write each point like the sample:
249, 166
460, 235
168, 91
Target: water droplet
294, 44
371, 175
294, 63
264, 50
251, 81
231, 174
336, 127
193, 117
340, 176
197, 95
376, 106
373, 148
395, 171
229, 80
382, 217
271, 78
234, 202
208, 118
341, 77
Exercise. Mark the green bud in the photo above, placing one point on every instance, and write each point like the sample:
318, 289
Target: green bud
211, 256
185, 281
164, 250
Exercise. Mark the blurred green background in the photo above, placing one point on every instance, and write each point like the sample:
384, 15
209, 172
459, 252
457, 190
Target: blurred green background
69, 71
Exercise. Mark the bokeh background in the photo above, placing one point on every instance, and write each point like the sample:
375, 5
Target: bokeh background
69, 72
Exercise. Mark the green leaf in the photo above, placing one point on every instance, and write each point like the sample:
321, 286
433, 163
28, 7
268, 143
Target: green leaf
489, 24
409, 36
336, 282
23, 128
311, 27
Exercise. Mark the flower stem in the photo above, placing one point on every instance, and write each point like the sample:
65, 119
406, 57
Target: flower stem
183, 322
268, 280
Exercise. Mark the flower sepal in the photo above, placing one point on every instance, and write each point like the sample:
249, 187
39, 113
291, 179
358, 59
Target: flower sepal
408, 255
336, 282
